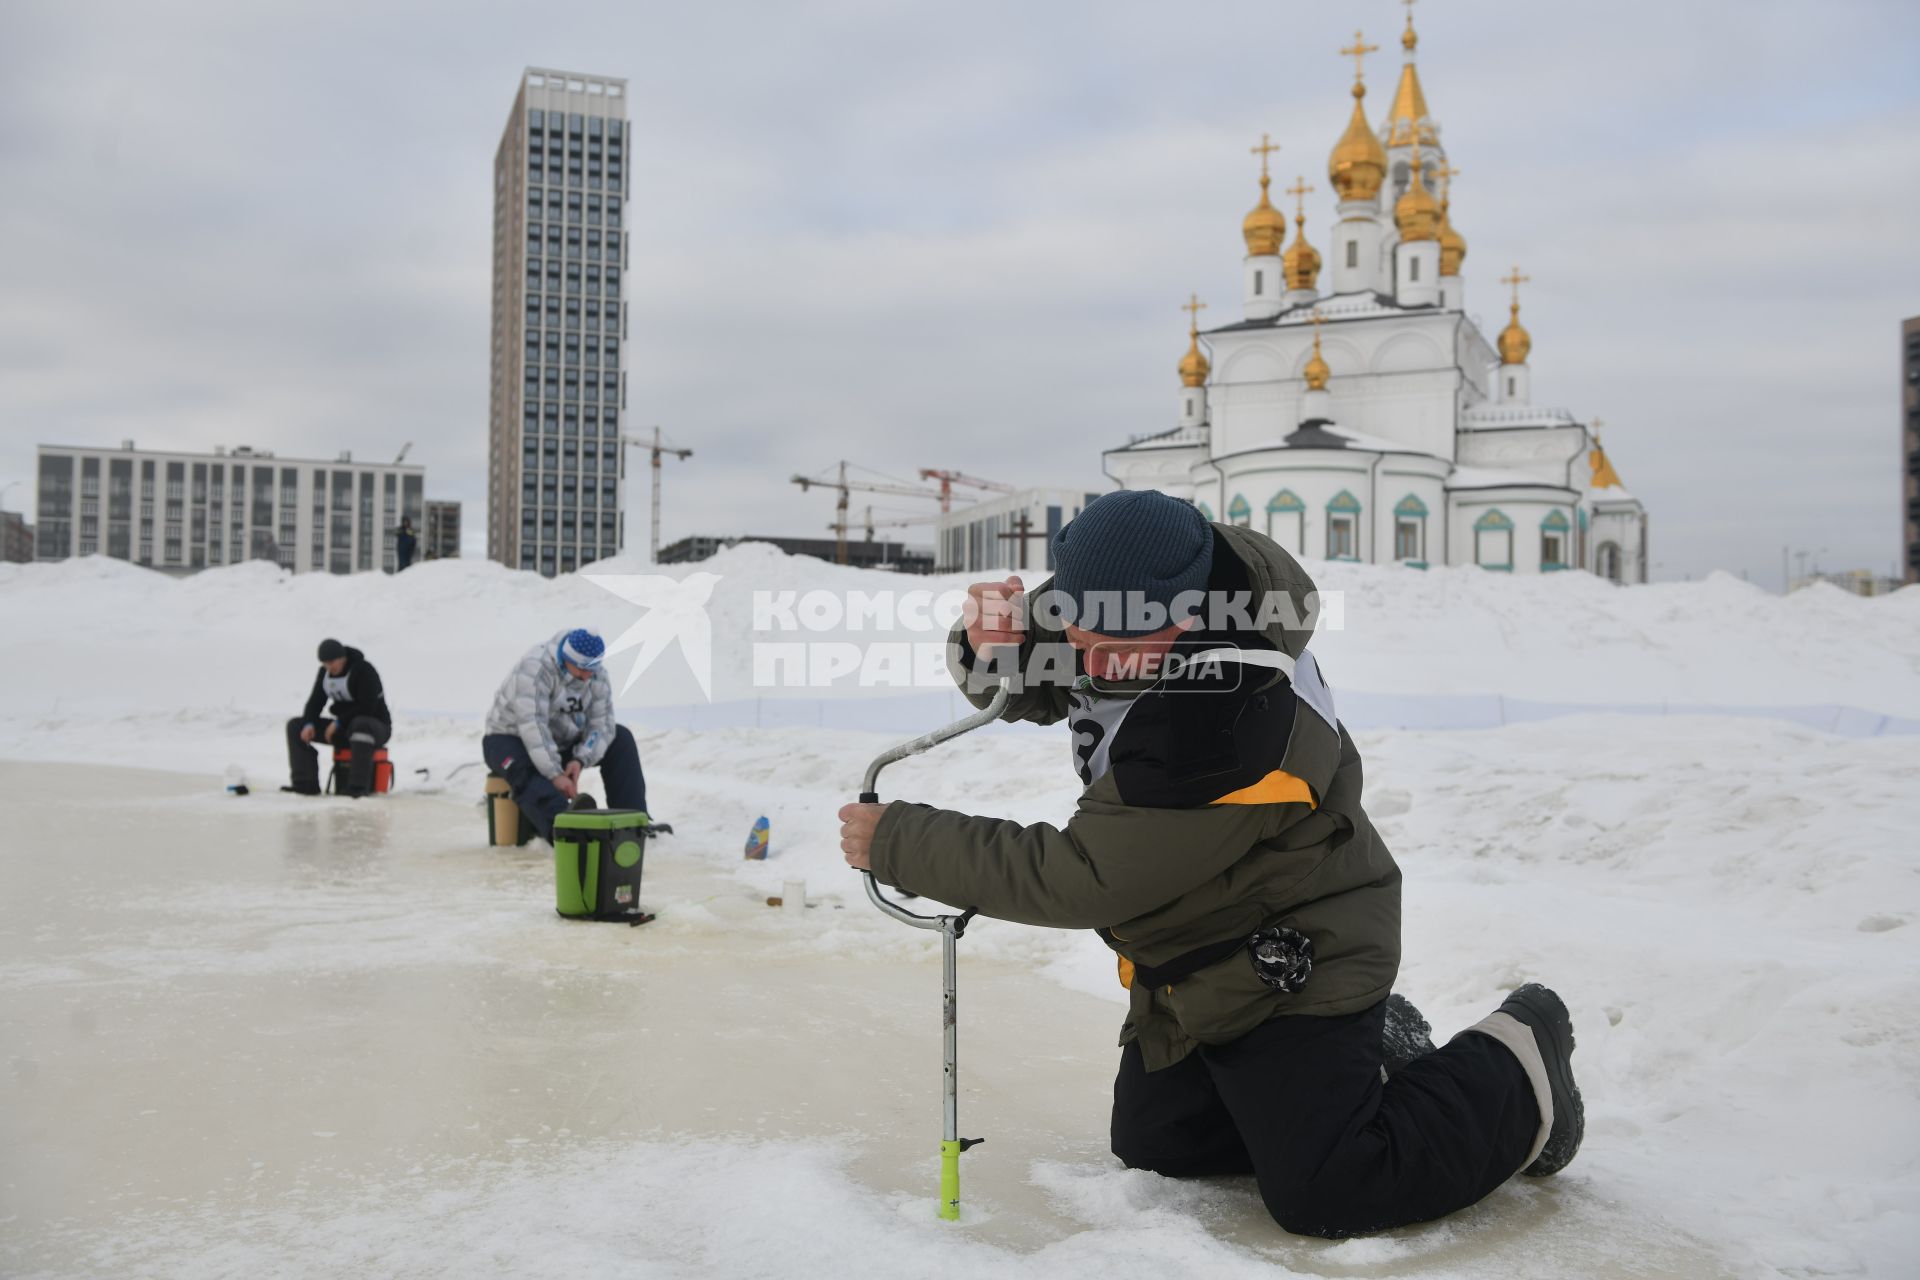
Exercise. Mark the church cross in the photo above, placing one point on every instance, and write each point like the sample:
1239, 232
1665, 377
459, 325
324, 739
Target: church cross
1596, 432
1515, 279
1446, 173
1193, 307
1300, 191
1358, 51
1265, 149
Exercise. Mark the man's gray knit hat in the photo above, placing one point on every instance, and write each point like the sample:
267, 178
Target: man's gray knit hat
1126, 549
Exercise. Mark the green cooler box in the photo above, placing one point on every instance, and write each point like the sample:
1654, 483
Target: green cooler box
598, 855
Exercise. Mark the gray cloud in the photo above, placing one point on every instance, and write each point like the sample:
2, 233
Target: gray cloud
915, 236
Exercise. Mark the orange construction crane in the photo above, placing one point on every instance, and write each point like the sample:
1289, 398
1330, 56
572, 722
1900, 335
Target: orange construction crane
948, 479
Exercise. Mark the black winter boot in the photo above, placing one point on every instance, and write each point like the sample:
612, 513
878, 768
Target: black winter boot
1545, 1014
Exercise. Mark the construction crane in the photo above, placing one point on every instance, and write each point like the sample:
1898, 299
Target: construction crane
948, 479
845, 486
902, 523
655, 448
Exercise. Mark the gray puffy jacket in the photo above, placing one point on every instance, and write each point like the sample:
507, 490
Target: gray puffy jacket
547, 709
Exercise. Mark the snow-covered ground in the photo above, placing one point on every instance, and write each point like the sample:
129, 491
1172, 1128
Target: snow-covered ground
271, 1036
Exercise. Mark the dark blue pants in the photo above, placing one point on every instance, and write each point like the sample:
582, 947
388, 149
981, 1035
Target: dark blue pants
1298, 1103
362, 736
541, 801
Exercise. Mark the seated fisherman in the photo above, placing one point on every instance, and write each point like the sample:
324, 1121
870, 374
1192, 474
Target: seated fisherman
360, 720
553, 718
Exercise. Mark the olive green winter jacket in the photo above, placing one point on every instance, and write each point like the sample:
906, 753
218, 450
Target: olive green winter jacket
1207, 815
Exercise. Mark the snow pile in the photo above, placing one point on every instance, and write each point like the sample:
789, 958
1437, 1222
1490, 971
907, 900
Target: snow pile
108, 639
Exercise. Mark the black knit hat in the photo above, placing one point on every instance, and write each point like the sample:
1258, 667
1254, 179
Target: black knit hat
1128, 548
332, 650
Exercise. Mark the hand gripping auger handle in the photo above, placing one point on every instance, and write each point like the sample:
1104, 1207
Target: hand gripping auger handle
950, 927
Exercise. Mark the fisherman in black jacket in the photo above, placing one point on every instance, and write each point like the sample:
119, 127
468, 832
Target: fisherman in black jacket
360, 719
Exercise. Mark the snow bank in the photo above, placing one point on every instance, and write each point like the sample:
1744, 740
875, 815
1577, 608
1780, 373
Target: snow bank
1444, 648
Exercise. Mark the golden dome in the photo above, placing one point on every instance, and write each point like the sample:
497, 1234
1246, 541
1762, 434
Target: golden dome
1358, 164
1515, 341
1316, 373
1301, 262
1417, 213
1408, 117
1193, 365
1265, 227
1453, 245
1604, 476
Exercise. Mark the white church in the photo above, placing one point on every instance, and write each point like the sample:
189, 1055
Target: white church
1374, 421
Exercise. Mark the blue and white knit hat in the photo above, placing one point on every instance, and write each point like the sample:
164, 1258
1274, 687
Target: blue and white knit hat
583, 647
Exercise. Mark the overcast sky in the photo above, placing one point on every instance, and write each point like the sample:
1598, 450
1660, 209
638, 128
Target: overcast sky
934, 235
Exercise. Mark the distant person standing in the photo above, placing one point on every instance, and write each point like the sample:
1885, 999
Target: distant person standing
403, 544
360, 719
553, 718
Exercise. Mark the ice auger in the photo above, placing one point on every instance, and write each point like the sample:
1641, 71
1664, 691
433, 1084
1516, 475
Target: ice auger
950, 927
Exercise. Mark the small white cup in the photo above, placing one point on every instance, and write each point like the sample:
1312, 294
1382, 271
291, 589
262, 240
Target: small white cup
793, 895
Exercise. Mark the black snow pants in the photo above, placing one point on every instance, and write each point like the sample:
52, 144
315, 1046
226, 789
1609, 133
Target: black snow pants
363, 734
1298, 1102
541, 801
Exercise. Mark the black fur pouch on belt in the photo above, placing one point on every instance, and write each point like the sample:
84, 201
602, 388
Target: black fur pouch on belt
1282, 957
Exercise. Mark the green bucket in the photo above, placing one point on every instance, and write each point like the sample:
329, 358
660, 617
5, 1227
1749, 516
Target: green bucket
598, 855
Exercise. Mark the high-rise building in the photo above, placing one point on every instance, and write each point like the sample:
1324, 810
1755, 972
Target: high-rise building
182, 512
16, 538
558, 397
442, 540
1910, 448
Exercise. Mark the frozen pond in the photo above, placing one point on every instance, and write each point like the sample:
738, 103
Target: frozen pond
279, 1036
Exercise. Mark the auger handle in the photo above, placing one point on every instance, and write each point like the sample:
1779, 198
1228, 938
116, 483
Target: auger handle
913, 747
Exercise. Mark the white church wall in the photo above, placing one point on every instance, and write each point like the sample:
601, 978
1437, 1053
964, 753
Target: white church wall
1473, 541
1168, 470
1551, 453
1316, 477
1621, 529
1397, 480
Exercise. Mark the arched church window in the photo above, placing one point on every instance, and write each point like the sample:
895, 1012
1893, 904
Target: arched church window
1609, 561
1287, 521
1410, 531
1239, 511
1259, 283
1493, 541
1343, 527
1553, 541
1353, 253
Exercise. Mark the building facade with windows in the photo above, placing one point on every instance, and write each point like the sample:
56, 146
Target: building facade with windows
1371, 418
1910, 449
558, 392
16, 538
1007, 533
441, 538
183, 512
